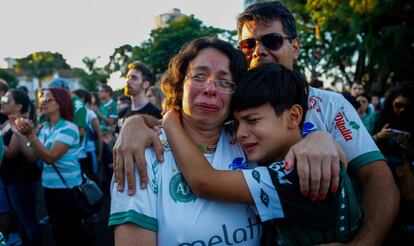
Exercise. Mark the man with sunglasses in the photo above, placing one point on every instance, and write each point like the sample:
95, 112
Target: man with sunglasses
267, 34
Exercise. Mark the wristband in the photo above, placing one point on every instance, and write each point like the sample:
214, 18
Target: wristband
29, 144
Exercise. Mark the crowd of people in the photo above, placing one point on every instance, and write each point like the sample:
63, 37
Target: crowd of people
248, 153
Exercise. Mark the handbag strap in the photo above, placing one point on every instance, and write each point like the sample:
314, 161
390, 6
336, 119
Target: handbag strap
60, 175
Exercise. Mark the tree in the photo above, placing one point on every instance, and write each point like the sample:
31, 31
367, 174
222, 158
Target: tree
368, 41
163, 44
41, 64
9, 77
93, 76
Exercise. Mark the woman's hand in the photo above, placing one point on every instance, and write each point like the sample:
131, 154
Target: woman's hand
25, 127
317, 159
385, 132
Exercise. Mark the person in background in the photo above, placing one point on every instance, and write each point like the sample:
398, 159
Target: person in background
367, 119
357, 88
3, 89
107, 113
139, 78
57, 145
80, 118
19, 170
123, 107
94, 143
155, 96
394, 131
376, 102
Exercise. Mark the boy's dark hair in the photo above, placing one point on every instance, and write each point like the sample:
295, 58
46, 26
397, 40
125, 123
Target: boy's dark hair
146, 73
274, 84
84, 95
267, 12
107, 88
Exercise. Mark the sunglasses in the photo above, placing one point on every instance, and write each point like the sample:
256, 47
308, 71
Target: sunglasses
4, 100
271, 41
46, 100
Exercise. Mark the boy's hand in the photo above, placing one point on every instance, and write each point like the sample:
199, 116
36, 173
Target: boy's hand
317, 159
134, 137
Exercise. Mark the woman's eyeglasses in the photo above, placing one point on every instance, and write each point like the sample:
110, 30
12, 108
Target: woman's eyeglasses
200, 80
271, 41
46, 100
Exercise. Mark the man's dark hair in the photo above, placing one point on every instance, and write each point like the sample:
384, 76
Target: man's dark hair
267, 12
3, 85
271, 83
125, 99
146, 73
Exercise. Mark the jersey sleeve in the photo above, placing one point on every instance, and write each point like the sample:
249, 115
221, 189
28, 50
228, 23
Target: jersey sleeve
276, 194
348, 130
140, 208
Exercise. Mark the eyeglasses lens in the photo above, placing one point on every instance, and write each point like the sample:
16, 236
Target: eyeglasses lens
272, 41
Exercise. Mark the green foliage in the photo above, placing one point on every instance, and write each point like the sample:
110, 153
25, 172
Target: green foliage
163, 44
41, 64
93, 76
365, 40
10, 78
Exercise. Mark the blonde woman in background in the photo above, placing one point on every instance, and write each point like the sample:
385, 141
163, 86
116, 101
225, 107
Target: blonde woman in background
155, 96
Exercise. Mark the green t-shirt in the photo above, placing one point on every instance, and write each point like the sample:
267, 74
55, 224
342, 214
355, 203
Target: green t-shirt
79, 112
108, 110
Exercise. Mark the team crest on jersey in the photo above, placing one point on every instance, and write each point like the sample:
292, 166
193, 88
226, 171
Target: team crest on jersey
180, 191
282, 173
77, 105
166, 145
343, 124
238, 164
308, 128
313, 103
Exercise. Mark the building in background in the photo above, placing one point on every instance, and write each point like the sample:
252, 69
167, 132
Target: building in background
32, 84
162, 19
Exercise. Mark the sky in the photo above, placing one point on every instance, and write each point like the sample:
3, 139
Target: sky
94, 28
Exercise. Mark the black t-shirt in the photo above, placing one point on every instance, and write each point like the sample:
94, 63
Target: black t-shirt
18, 170
148, 109
3, 118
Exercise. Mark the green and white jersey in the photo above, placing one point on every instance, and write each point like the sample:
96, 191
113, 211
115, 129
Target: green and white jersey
331, 112
67, 133
170, 208
80, 119
109, 110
